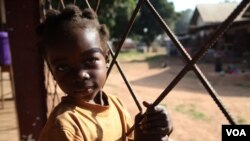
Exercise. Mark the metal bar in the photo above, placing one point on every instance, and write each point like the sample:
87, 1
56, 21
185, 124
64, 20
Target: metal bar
121, 71
138, 6
220, 30
49, 3
188, 58
97, 5
62, 3
122, 74
87, 2
126, 81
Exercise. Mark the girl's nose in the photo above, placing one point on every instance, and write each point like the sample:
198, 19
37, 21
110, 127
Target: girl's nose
83, 75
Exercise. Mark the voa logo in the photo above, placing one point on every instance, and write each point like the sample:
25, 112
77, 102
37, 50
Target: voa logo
236, 132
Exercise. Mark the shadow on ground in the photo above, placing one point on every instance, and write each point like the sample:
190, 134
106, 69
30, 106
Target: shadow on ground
225, 85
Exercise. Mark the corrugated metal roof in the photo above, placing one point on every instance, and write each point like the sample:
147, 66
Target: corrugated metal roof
214, 13
209, 14
247, 12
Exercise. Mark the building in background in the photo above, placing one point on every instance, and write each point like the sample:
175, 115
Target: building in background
234, 43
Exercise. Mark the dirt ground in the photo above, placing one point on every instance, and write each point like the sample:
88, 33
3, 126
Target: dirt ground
195, 115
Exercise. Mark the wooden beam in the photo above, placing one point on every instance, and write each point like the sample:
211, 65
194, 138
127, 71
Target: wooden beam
2, 12
30, 93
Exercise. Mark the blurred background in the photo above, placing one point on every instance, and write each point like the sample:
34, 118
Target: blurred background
149, 58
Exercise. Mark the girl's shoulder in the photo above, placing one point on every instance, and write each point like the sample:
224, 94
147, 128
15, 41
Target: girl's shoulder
115, 99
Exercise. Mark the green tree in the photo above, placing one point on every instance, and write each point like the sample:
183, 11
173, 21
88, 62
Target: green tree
115, 13
146, 24
182, 22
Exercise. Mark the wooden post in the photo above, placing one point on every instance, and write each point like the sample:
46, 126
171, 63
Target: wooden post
2, 12
2, 15
30, 93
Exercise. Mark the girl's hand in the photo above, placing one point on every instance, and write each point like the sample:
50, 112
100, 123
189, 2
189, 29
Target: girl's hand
154, 125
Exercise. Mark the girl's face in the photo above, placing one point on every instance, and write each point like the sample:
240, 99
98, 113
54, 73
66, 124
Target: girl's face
78, 63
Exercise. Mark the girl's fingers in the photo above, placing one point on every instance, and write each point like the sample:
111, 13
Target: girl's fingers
153, 109
156, 120
161, 131
146, 104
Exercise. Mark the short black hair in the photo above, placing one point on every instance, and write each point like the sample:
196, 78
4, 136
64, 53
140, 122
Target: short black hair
57, 22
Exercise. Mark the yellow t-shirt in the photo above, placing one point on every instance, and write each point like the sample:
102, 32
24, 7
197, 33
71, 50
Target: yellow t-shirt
87, 122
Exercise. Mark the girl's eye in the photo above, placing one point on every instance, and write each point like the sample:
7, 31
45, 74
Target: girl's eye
62, 68
91, 61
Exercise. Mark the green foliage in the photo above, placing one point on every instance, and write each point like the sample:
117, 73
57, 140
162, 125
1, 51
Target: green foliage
156, 58
115, 14
190, 110
182, 22
132, 56
241, 120
147, 25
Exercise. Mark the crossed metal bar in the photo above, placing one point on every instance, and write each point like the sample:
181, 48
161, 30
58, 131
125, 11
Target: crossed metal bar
191, 62
213, 38
126, 81
130, 24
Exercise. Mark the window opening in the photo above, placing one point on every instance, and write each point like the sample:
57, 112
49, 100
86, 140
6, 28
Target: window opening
190, 61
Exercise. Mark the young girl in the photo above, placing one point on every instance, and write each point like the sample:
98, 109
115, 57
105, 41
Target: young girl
73, 43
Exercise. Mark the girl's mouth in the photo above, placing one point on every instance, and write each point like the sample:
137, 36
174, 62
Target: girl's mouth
84, 88
88, 89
